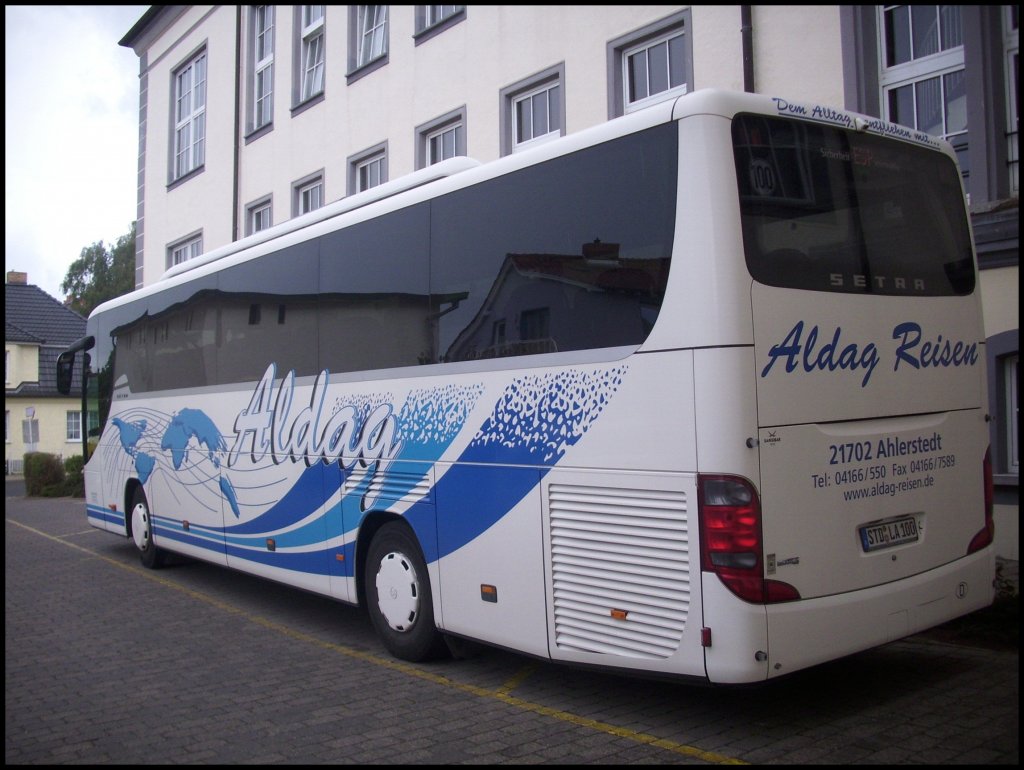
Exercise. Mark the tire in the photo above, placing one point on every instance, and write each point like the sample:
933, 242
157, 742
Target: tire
398, 595
142, 532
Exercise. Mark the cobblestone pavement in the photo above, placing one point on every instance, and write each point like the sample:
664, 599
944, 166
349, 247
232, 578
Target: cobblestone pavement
106, 662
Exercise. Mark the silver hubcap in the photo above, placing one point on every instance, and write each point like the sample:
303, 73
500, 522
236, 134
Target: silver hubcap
140, 526
398, 591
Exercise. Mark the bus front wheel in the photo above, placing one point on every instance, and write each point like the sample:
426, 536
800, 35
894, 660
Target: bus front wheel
398, 595
142, 531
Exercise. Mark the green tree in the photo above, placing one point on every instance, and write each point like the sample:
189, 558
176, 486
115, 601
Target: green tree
100, 274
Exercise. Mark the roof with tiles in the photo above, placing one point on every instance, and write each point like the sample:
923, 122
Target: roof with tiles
33, 317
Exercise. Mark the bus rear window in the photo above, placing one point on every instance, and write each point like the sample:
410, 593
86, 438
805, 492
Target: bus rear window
827, 209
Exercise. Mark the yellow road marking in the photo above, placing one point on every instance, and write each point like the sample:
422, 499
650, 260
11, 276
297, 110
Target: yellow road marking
502, 694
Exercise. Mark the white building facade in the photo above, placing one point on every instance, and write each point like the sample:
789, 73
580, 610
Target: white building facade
252, 115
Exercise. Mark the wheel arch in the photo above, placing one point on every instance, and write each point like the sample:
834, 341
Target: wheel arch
130, 487
369, 527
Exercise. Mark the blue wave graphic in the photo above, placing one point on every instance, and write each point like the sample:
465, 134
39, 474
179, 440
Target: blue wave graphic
532, 425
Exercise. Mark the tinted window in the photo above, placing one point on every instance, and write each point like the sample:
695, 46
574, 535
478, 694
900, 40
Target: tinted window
375, 309
266, 311
832, 210
566, 255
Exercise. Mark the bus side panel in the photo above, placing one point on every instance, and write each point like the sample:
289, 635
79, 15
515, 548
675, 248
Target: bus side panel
285, 539
737, 646
492, 587
619, 528
623, 589
101, 510
708, 296
726, 413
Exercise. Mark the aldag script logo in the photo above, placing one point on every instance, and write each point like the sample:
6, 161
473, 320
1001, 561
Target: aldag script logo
269, 428
913, 350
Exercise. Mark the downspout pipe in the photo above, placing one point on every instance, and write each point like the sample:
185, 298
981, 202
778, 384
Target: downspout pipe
747, 33
238, 126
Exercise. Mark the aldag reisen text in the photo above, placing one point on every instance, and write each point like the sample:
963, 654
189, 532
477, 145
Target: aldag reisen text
800, 352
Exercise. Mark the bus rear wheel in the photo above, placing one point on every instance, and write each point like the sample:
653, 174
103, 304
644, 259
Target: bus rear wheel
142, 531
398, 595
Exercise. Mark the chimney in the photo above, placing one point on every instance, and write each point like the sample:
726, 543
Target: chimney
13, 276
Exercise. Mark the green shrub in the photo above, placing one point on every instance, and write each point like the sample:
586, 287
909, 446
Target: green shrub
43, 473
74, 481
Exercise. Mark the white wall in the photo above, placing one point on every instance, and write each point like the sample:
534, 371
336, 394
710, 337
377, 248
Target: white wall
466, 65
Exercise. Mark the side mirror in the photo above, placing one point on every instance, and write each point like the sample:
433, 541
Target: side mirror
65, 372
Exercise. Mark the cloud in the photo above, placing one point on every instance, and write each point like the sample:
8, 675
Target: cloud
71, 134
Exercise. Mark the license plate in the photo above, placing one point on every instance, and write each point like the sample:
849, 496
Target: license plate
886, 534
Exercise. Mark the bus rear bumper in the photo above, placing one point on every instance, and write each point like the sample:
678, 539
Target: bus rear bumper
805, 633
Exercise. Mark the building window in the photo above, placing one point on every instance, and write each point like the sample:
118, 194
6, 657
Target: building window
184, 250
262, 63
535, 324
435, 14
1012, 47
922, 71
650, 64
258, 216
189, 116
368, 169
537, 115
372, 32
311, 47
433, 19
655, 70
74, 426
1003, 370
441, 138
533, 110
1011, 414
308, 194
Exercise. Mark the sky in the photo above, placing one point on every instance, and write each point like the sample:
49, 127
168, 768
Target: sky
70, 135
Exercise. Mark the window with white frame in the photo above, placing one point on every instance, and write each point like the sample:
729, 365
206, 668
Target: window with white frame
442, 143
372, 33
309, 195
1011, 415
368, 168
311, 62
435, 14
74, 426
650, 64
537, 115
262, 53
533, 109
655, 70
371, 172
922, 71
1012, 47
428, 16
441, 138
432, 20
185, 250
189, 116
258, 217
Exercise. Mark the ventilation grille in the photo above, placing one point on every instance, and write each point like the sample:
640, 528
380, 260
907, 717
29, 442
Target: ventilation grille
392, 487
620, 569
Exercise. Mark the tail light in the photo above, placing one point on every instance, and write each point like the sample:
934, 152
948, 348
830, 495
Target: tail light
987, 533
730, 527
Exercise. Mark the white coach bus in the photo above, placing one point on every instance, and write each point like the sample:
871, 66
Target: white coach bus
698, 392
